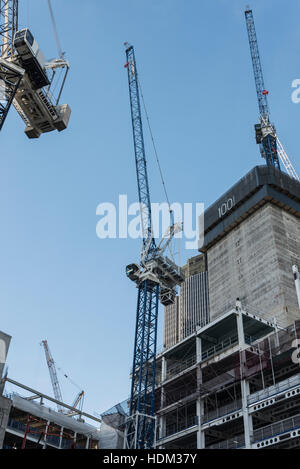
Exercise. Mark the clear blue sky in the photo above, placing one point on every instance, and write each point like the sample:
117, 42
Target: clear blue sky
57, 279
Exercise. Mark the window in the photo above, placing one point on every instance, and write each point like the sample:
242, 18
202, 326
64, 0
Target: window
29, 37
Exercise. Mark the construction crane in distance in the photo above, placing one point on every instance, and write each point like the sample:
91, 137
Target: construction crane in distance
26, 80
271, 148
156, 278
53, 375
78, 400
56, 386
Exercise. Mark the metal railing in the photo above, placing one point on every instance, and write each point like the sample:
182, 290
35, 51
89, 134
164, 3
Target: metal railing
276, 428
21, 427
50, 439
274, 389
66, 444
222, 411
177, 427
179, 367
53, 440
180, 395
233, 443
216, 349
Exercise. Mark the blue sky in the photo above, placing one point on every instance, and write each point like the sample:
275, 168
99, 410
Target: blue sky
58, 280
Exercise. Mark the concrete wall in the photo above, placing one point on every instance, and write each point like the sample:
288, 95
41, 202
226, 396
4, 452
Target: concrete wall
5, 405
254, 262
4, 345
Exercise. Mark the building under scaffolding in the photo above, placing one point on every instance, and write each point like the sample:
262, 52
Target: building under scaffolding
28, 419
234, 383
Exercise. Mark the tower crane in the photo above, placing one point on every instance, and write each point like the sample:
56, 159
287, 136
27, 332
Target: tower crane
270, 146
26, 80
156, 278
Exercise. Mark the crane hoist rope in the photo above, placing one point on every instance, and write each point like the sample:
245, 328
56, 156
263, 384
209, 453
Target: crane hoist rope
59, 49
154, 146
169, 234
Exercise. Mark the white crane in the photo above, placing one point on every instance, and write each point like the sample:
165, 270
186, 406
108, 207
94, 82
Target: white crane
285, 160
26, 80
55, 383
53, 375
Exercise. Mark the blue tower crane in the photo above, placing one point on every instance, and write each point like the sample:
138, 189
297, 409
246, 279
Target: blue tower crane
156, 278
265, 131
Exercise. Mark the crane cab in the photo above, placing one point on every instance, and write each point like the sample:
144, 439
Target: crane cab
31, 58
133, 272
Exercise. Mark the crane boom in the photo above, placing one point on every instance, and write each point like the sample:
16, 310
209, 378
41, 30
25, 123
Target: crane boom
257, 68
140, 157
53, 375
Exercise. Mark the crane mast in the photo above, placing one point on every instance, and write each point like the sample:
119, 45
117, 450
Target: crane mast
53, 375
9, 10
10, 74
265, 131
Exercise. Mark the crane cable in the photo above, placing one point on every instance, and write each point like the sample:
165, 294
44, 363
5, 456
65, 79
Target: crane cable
161, 175
60, 52
154, 147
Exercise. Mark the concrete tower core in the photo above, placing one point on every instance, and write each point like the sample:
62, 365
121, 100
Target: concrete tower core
252, 239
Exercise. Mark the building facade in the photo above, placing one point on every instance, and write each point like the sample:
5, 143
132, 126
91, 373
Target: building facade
234, 382
252, 239
191, 307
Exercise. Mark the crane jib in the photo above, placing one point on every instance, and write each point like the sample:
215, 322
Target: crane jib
139, 148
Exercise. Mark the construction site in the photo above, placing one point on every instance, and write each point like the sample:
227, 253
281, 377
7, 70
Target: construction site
228, 373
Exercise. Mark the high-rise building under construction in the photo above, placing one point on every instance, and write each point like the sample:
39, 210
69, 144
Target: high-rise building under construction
235, 381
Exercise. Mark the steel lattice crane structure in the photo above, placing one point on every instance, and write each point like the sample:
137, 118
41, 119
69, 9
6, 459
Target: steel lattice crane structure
55, 383
53, 375
156, 278
10, 74
270, 146
26, 80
